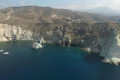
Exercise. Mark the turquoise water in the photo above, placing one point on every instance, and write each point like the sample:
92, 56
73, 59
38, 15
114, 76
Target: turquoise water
52, 63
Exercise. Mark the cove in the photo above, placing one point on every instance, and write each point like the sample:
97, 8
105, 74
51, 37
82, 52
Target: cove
52, 63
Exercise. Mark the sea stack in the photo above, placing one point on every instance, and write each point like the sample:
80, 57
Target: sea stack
36, 45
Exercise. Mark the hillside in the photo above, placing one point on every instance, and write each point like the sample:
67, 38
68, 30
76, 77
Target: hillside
50, 15
92, 32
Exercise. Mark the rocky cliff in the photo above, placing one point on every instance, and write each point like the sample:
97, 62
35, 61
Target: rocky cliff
8, 33
98, 38
59, 28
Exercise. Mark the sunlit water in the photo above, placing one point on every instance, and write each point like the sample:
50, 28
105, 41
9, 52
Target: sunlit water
52, 63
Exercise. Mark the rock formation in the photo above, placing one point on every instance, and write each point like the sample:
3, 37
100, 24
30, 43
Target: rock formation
36, 45
62, 27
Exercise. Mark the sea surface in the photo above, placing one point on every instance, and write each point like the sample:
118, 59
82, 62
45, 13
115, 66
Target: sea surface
52, 63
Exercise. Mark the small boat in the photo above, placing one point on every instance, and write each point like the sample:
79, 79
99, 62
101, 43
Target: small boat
1, 50
6, 53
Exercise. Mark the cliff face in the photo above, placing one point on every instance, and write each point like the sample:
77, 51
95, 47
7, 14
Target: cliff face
97, 38
112, 50
62, 27
8, 33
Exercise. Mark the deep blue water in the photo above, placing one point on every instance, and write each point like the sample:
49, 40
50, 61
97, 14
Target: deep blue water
52, 63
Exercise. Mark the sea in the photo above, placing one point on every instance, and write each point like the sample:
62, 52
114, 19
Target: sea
52, 63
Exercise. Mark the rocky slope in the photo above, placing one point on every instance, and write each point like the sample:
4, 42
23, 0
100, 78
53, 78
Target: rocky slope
62, 27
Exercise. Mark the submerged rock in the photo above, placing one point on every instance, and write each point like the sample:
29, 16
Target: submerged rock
36, 45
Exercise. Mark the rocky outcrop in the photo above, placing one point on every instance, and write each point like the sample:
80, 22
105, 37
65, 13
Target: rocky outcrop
94, 33
36, 45
8, 32
98, 38
112, 51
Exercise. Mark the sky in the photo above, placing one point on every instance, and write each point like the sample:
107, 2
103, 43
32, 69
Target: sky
65, 4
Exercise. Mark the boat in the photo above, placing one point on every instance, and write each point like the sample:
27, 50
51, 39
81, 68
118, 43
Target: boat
1, 50
6, 53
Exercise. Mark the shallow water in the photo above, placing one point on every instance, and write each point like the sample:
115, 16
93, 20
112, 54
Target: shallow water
52, 63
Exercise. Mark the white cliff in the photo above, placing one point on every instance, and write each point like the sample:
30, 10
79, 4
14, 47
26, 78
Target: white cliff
111, 52
108, 48
42, 40
8, 33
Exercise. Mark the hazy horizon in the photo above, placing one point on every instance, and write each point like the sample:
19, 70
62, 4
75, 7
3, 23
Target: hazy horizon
64, 4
